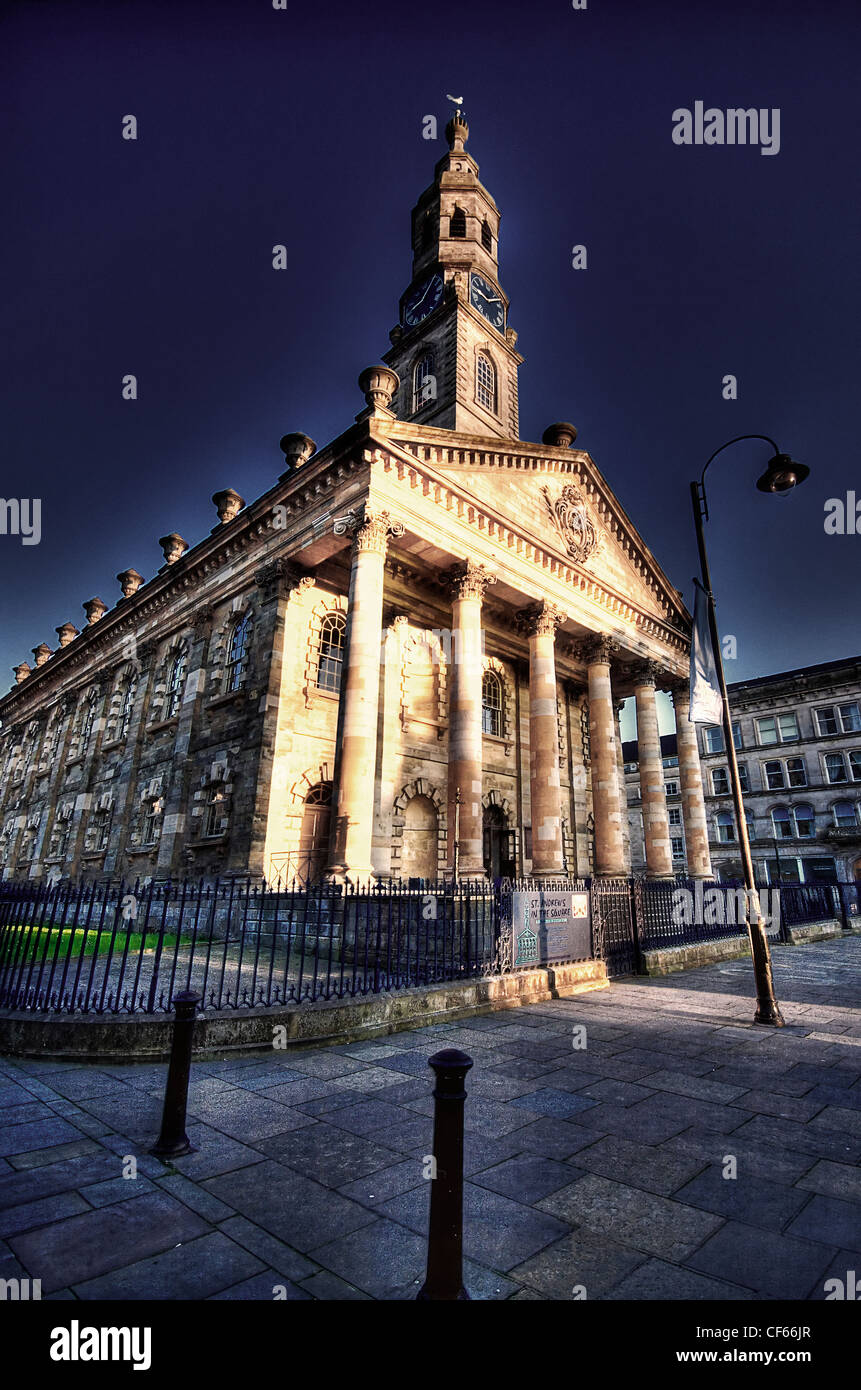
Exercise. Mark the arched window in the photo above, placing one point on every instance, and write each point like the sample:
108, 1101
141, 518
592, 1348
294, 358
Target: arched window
127, 702
486, 236
151, 821
782, 823
725, 827
457, 223
485, 383
491, 704
30, 744
238, 650
215, 821
330, 653
424, 382
175, 683
845, 815
98, 830
805, 822
87, 722
426, 240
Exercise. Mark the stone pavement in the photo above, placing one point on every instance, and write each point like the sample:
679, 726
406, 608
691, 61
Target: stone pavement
601, 1167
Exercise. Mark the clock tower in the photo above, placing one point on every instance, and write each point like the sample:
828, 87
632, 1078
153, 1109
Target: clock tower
453, 348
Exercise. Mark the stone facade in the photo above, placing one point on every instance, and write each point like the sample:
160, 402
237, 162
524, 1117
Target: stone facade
403, 660
798, 742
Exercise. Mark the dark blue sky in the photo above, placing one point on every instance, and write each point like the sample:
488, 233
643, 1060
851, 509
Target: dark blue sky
304, 127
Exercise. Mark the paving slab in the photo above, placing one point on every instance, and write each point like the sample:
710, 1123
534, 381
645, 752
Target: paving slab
297, 1210
194, 1269
83, 1247
772, 1265
653, 1224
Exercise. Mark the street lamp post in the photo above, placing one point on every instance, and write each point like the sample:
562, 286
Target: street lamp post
780, 476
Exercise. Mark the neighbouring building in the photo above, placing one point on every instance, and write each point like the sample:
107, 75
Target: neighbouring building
426, 623
798, 743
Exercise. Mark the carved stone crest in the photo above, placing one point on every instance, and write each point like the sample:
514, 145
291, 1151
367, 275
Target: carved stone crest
568, 510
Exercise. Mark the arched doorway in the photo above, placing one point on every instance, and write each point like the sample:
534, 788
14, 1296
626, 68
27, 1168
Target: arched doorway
419, 857
499, 857
314, 833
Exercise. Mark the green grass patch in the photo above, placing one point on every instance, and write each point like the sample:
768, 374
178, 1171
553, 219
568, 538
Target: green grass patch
42, 944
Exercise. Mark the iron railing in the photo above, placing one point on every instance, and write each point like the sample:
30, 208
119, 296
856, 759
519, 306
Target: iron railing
97, 948
115, 948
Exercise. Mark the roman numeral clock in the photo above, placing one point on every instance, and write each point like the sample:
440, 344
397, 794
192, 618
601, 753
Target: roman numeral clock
484, 298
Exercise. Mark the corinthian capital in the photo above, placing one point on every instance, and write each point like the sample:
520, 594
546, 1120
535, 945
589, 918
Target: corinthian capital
599, 649
540, 620
369, 528
646, 673
469, 580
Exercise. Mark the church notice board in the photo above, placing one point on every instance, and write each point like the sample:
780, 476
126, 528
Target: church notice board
550, 925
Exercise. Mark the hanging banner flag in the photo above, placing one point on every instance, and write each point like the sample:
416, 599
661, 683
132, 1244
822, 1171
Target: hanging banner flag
706, 702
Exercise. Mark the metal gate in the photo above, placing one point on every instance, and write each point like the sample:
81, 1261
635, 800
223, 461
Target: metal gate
613, 926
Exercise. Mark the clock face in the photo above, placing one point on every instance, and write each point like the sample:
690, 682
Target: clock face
423, 300
486, 300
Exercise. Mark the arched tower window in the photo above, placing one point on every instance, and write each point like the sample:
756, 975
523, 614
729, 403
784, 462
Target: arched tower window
238, 650
426, 239
330, 657
486, 236
457, 223
485, 383
491, 704
424, 382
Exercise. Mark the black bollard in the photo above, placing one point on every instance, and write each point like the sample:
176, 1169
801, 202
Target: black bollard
173, 1140
444, 1280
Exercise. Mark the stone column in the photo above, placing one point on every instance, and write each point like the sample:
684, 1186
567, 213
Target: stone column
545, 794
656, 822
360, 695
606, 801
691, 782
623, 789
469, 582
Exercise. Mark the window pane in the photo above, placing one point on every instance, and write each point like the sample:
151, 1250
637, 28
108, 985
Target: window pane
672, 789
736, 734
781, 822
845, 814
788, 727
773, 775
713, 739
743, 777
826, 720
855, 766
720, 781
804, 822
767, 730
834, 768
797, 772
850, 719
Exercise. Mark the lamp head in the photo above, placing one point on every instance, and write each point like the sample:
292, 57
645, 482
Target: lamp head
782, 474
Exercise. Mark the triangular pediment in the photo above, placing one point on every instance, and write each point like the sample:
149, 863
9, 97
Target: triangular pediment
559, 500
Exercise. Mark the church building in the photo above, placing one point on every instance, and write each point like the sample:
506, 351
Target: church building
404, 661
